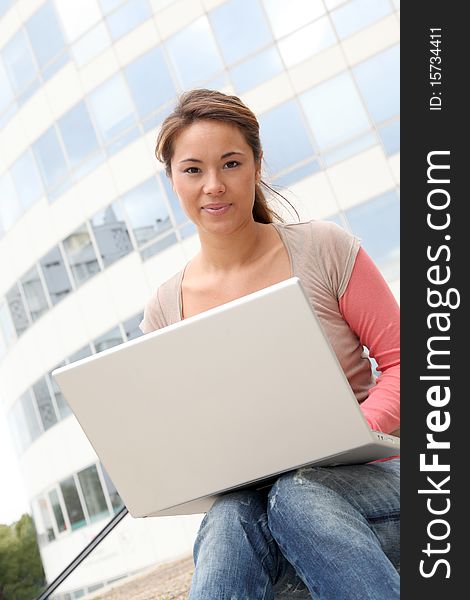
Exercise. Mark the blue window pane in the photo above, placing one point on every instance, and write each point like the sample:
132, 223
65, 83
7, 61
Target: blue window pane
307, 41
45, 34
50, 158
81, 255
31, 417
55, 275
335, 111
378, 79
147, 211
111, 235
159, 246
91, 44
150, 81
6, 324
6, 93
10, 206
285, 17
19, 62
284, 137
4, 6
127, 17
112, 108
297, 174
359, 14
192, 68
44, 402
17, 309
236, 16
358, 145
377, 223
178, 214
390, 135
27, 180
78, 134
34, 293
252, 72
109, 5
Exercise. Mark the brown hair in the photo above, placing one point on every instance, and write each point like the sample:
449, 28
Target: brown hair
210, 104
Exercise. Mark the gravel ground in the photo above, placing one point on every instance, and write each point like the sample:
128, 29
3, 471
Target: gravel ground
170, 581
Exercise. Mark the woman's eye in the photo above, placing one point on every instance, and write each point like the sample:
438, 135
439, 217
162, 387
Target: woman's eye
191, 170
231, 164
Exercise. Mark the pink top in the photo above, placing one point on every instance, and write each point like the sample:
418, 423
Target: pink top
371, 311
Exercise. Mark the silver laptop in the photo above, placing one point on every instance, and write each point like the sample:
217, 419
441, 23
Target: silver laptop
226, 399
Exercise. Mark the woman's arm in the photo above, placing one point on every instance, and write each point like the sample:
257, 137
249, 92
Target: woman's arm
370, 309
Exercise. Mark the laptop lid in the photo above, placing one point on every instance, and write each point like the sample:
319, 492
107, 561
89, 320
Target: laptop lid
228, 397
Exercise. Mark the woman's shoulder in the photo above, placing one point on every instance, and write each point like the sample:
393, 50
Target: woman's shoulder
162, 308
317, 231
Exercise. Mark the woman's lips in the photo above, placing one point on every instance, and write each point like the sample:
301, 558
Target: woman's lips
216, 209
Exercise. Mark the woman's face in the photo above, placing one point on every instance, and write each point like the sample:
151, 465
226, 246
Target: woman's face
214, 173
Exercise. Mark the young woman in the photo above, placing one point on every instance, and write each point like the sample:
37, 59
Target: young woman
328, 533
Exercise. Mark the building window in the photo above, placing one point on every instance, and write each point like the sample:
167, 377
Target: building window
378, 79
50, 158
127, 17
81, 255
10, 206
193, 68
147, 211
26, 178
111, 338
20, 66
306, 42
78, 134
91, 44
111, 235
93, 493
57, 510
232, 17
61, 403
17, 309
44, 403
46, 520
115, 498
72, 503
299, 13
285, 141
335, 111
358, 14
34, 293
55, 275
131, 327
254, 71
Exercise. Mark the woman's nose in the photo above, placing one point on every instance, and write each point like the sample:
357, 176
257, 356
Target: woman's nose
213, 184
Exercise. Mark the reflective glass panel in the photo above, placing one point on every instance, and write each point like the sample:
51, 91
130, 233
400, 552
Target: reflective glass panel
127, 17
57, 510
46, 519
82, 353
147, 211
45, 34
377, 223
72, 503
50, 158
19, 428
17, 309
78, 134
77, 17
61, 403
131, 327
112, 118
284, 137
55, 275
150, 81
108, 340
93, 493
287, 17
109, 5
230, 18
6, 93
44, 403
307, 41
192, 68
252, 72
358, 14
91, 44
4, 6
6, 324
34, 293
159, 246
116, 501
81, 255
111, 235
378, 79
390, 136
335, 111
26, 179
175, 204
19, 62
31, 417
10, 205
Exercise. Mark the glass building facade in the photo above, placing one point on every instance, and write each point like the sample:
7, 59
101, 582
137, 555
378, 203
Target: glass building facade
89, 225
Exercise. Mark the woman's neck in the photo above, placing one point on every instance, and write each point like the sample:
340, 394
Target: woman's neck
227, 253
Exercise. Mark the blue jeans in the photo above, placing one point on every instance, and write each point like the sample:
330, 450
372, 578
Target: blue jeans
328, 533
